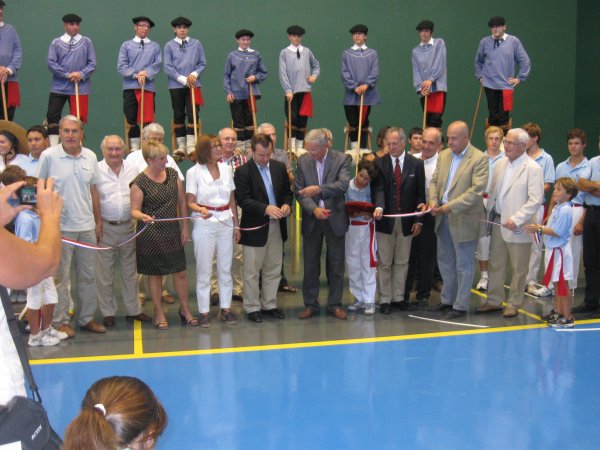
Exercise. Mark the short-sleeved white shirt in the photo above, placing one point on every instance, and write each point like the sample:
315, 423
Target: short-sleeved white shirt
209, 192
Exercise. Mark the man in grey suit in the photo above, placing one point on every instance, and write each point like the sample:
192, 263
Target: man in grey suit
322, 178
456, 198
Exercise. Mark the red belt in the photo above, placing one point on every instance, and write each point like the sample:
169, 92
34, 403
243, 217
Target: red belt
215, 208
358, 222
576, 205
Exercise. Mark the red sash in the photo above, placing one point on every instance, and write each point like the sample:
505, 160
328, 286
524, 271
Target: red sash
364, 113
148, 105
13, 94
83, 106
561, 288
252, 104
198, 96
306, 109
372, 241
507, 99
435, 102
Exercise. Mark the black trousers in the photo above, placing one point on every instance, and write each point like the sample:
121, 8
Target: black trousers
181, 101
433, 119
130, 109
591, 255
352, 116
298, 122
56, 103
242, 119
495, 100
423, 256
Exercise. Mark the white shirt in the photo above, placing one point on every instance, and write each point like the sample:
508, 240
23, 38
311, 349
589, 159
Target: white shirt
209, 192
114, 192
66, 38
429, 165
137, 159
356, 47
507, 178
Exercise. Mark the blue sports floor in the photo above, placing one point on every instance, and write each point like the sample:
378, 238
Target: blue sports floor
515, 387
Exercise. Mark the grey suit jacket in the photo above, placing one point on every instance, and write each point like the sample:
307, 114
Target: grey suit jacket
336, 177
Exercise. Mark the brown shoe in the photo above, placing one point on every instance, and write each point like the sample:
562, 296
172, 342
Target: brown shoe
509, 311
307, 313
93, 327
141, 317
438, 285
339, 313
65, 328
488, 307
109, 321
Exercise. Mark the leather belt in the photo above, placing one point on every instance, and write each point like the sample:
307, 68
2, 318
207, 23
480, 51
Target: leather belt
215, 208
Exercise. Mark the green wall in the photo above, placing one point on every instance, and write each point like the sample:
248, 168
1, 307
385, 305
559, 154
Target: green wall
548, 97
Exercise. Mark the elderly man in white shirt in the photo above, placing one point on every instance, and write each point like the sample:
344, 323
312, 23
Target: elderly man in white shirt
115, 176
515, 194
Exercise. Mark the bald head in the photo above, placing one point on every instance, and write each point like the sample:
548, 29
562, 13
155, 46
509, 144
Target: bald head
228, 138
458, 136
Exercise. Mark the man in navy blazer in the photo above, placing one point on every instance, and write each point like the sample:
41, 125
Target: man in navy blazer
262, 191
322, 178
396, 191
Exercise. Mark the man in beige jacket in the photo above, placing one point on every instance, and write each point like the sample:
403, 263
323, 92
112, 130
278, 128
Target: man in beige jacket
456, 198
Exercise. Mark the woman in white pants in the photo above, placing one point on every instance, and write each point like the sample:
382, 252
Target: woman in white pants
210, 195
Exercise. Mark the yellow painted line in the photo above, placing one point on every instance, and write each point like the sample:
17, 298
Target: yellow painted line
522, 311
138, 344
298, 345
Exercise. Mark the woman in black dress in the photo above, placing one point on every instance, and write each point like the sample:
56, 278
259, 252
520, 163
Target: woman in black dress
157, 193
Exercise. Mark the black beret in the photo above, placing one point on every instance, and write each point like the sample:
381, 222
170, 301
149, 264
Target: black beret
181, 21
141, 18
359, 29
70, 18
425, 25
496, 21
296, 29
243, 32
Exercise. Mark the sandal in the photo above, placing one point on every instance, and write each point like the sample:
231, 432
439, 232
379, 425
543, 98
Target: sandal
288, 289
190, 321
168, 299
162, 325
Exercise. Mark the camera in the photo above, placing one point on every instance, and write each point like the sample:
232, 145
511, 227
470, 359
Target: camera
27, 195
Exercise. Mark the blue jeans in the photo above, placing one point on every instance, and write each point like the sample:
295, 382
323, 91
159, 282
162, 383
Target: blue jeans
456, 261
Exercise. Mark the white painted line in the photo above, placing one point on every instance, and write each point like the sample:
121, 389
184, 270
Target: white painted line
448, 322
573, 330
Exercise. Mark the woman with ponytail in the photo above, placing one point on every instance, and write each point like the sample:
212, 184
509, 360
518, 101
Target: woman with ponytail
117, 413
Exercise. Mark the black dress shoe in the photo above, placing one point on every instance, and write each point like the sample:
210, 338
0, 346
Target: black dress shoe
441, 308
584, 309
455, 314
255, 317
275, 313
404, 306
385, 308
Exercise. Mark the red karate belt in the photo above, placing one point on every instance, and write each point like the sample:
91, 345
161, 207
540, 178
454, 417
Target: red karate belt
507, 99
306, 109
372, 241
562, 289
148, 105
435, 102
83, 106
13, 94
198, 96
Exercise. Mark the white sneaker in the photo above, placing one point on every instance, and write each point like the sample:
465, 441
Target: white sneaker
543, 292
531, 288
42, 339
483, 284
369, 309
356, 306
61, 335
